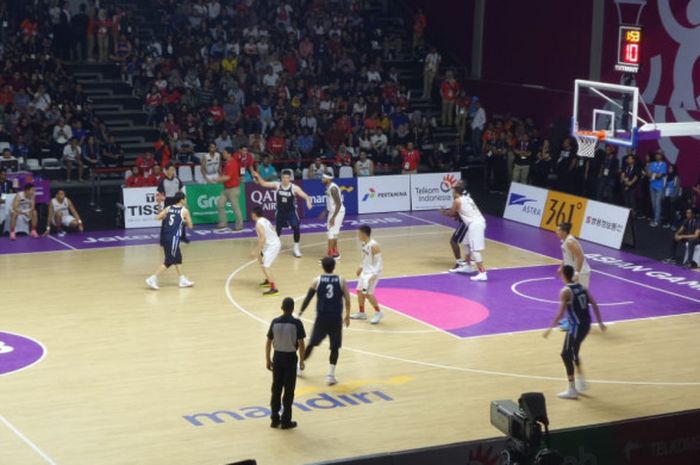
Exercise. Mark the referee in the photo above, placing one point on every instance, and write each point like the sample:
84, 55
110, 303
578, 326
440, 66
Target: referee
286, 335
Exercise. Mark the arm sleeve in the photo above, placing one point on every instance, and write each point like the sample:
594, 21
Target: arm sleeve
301, 333
270, 334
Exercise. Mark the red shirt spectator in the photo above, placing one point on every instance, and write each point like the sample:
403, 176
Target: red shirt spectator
289, 63
371, 123
252, 111
6, 96
449, 89
344, 124
136, 179
163, 151
152, 180
410, 158
276, 145
171, 98
145, 163
217, 113
29, 28
420, 22
232, 170
154, 99
245, 159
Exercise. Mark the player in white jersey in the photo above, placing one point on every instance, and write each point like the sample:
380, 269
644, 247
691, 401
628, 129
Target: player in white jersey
267, 249
368, 275
62, 215
474, 241
572, 254
286, 193
24, 211
335, 210
210, 165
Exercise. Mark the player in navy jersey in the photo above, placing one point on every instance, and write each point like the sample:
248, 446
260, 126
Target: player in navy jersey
574, 300
173, 219
331, 296
286, 193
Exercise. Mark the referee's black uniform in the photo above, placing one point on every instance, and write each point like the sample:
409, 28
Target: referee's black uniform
286, 335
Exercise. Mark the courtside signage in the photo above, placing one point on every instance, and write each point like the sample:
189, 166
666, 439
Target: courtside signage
379, 194
604, 224
564, 208
432, 191
202, 201
140, 207
317, 191
525, 204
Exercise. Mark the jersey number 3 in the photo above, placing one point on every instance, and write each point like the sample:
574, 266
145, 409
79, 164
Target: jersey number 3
329, 291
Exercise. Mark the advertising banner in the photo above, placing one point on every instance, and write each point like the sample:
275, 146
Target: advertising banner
317, 191
561, 208
432, 191
604, 224
202, 202
525, 204
255, 195
41, 186
378, 194
140, 207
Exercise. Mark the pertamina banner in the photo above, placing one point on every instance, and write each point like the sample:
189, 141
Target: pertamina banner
563, 208
202, 202
379, 194
525, 204
432, 191
140, 207
317, 191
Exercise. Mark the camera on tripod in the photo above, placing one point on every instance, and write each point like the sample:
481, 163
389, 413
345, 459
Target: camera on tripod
526, 426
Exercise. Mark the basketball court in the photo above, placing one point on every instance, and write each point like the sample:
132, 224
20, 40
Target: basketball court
108, 371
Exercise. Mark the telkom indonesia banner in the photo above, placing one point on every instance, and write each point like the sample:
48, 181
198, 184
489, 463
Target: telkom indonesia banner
379, 194
317, 191
140, 207
432, 191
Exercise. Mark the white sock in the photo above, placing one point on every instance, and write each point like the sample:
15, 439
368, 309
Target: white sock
331, 370
572, 386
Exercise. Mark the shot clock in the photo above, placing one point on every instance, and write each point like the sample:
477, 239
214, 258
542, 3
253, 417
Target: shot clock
628, 49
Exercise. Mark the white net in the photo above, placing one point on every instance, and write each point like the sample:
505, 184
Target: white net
586, 144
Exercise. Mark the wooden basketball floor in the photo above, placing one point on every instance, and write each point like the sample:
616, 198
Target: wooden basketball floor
134, 376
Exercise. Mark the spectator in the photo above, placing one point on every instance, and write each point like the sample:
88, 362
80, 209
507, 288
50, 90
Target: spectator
657, 175
410, 159
521, 164
154, 179
497, 163
62, 215
420, 22
103, 26
79, 23
543, 166
364, 166
223, 141
276, 145
672, 193
565, 166
267, 170
112, 153
478, 122
136, 179
687, 236
380, 146
91, 155
430, 68
145, 162
72, 155
608, 174
8, 162
62, 133
462, 110
169, 185
629, 178
24, 211
317, 169
448, 93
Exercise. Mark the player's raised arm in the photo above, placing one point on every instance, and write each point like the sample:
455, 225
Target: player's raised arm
266, 184
454, 209
299, 192
564, 297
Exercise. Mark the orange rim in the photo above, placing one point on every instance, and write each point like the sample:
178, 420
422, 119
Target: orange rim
599, 134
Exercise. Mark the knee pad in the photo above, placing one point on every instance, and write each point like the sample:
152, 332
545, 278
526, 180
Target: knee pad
476, 256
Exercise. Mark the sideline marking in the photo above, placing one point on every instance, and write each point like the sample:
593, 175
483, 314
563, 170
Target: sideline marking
27, 441
60, 242
265, 323
514, 288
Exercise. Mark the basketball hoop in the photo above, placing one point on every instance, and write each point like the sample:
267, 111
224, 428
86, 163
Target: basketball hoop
587, 142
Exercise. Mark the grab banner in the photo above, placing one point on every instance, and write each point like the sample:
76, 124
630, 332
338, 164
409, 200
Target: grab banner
140, 207
202, 201
432, 191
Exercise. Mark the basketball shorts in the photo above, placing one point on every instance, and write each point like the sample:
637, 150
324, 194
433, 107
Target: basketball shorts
66, 220
460, 232
327, 325
171, 248
475, 237
287, 219
269, 254
334, 231
367, 282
